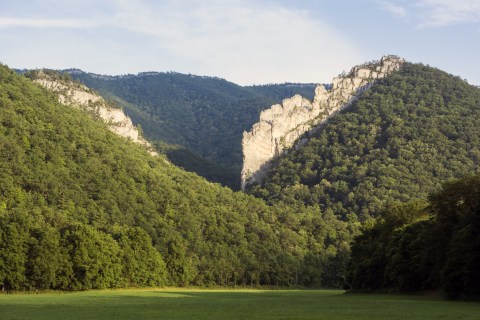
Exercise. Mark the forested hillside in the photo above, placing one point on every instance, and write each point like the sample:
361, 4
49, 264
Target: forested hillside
204, 115
81, 208
403, 138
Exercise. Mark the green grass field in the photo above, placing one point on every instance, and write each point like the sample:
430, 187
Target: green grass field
230, 304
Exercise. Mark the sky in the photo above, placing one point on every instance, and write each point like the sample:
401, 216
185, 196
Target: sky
243, 41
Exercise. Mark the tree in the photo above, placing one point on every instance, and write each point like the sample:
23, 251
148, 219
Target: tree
142, 264
95, 257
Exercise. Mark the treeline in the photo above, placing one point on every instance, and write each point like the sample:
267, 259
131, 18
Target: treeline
83, 208
68, 255
424, 246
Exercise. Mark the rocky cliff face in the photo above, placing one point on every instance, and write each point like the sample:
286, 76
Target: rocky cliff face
77, 95
282, 126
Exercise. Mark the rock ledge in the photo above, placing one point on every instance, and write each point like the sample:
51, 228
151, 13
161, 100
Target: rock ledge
76, 95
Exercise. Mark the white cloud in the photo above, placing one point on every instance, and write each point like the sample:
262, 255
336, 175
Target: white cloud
394, 9
439, 13
243, 41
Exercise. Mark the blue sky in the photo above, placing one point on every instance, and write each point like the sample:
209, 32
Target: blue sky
243, 41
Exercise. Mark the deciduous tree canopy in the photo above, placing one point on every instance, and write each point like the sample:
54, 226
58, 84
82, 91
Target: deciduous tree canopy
82, 208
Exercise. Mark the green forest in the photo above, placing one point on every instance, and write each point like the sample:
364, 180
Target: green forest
385, 197
82, 208
200, 116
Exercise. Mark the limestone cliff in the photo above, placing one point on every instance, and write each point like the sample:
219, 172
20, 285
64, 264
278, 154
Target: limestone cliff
281, 126
77, 95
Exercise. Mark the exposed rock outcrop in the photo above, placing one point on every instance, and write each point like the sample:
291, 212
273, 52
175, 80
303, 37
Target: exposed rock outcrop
77, 95
281, 126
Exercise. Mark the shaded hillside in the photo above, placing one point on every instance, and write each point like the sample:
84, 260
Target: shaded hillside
191, 162
81, 208
205, 115
424, 246
405, 136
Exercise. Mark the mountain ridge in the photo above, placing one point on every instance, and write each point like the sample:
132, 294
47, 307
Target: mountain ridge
282, 125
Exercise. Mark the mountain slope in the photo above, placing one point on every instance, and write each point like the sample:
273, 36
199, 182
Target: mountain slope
406, 135
81, 207
204, 115
74, 94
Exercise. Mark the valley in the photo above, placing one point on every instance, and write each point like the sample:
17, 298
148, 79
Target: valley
193, 116
92, 195
240, 159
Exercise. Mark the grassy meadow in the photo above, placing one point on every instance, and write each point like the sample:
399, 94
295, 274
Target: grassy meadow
229, 304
